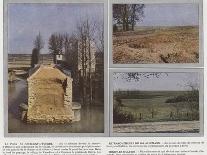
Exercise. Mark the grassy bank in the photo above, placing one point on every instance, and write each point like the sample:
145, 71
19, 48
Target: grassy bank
149, 106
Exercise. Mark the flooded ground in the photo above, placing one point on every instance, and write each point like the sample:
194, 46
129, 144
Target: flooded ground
92, 117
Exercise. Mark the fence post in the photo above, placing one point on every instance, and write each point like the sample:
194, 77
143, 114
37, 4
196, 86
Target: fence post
140, 116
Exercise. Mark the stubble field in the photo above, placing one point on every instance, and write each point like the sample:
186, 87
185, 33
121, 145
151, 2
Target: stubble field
147, 45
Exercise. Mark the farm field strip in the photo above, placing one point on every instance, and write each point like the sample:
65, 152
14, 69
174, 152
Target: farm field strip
163, 45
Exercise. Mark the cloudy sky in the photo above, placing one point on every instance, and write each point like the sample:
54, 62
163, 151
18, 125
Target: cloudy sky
25, 21
170, 15
169, 81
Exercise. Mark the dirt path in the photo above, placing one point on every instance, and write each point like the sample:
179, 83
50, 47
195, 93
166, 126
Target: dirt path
158, 127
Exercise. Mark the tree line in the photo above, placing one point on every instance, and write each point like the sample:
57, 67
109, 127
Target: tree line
127, 15
80, 49
38, 45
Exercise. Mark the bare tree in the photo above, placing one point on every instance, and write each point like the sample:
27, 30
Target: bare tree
87, 36
99, 38
120, 14
70, 50
38, 42
82, 57
193, 99
190, 98
55, 45
35, 57
137, 13
127, 14
81, 49
38, 45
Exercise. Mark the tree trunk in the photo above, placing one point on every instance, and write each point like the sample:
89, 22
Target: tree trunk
83, 69
90, 68
125, 18
90, 65
133, 16
132, 26
54, 58
124, 25
127, 25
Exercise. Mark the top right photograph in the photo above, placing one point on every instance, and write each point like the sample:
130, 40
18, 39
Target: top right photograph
155, 33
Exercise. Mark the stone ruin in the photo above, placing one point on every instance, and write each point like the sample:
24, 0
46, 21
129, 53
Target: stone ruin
50, 97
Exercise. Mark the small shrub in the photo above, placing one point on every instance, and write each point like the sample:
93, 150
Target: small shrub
115, 28
191, 96
35, 57
120, 116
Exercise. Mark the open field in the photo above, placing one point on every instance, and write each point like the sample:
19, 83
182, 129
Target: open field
147, 45
152, 111
149, 106
23, 61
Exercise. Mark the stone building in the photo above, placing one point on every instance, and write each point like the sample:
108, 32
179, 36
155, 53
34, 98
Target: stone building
49, 96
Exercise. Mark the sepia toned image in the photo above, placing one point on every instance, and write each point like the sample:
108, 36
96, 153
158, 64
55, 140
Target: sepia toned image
55, 54
156, 33
157, 102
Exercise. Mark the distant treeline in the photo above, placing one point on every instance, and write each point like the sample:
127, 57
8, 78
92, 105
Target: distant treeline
127, 15
192, 96
136, 94
25, 57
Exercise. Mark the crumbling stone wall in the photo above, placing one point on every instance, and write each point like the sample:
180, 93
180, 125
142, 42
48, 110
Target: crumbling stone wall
50, 98
68, 93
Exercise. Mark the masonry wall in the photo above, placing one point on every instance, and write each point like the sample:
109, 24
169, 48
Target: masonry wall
68, 93
50, 101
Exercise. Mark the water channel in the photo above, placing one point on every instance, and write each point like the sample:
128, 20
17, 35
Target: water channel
92, 117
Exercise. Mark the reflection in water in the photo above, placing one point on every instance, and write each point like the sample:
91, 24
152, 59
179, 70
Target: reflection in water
92, 118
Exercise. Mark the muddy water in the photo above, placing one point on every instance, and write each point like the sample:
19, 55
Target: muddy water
92, 118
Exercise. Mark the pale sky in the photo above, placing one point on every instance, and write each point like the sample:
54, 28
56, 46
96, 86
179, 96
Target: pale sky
26, 20
169, 81
170, 15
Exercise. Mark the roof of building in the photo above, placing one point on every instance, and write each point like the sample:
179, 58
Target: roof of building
64, 69
47, 72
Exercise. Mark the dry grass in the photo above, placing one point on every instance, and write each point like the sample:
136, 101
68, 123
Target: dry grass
157, 45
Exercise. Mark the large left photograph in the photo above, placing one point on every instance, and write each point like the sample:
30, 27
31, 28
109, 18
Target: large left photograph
55, 67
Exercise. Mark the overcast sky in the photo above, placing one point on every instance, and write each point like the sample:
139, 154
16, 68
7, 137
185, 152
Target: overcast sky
186, 14
26, 20
169, 81
170, 15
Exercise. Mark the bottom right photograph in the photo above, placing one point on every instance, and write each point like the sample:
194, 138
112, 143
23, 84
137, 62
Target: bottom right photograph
157, 102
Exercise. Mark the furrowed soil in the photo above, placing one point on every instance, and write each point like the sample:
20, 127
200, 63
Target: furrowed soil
149, 45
